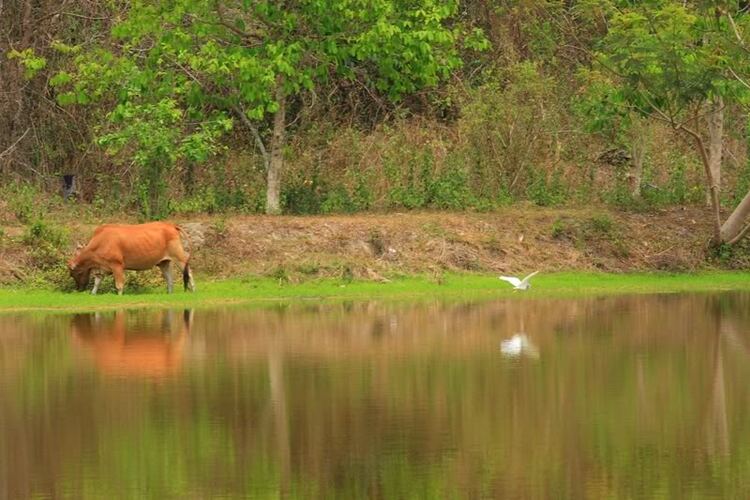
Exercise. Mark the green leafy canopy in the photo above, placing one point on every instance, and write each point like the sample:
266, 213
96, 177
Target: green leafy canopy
177, 69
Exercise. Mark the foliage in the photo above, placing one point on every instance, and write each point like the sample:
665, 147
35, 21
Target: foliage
510, 123
546, 192
23, 200
668, 57
206, 61
170, 86
31, 62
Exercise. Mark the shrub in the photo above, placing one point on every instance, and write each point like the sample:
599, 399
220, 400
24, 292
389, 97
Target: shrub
564, 229
508, 125
450, 189
303, 196
25, 201
544, 192
338, 200
601, 225
409, 190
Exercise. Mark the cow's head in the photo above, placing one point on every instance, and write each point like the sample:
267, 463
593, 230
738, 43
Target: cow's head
81, 274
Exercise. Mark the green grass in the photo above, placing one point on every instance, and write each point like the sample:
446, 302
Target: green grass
456, 286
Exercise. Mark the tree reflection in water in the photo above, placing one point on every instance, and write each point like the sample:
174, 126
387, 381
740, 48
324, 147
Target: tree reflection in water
630, 397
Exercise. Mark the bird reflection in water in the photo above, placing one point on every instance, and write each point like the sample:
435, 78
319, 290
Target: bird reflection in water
134, 344
519, 345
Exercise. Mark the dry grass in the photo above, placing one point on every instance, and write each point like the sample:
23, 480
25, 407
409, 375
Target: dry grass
511, 240
378, 246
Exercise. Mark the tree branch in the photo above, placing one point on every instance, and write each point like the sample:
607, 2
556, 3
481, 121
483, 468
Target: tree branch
738, 77
13, 146
736, 31
253, 37
256, 134
740, 235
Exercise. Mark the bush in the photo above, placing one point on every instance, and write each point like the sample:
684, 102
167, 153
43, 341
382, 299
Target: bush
450, 190
25, 201
338, 200
47, 250
303, 196
509, 125
544, 192
601, 225
409, 190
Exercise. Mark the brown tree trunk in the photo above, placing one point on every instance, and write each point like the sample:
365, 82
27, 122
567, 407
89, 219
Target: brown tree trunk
734, 228
276, 165
713, 189
638, 151
716, 138
639, 134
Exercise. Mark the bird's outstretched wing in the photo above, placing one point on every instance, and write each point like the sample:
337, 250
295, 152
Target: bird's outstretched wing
527, 278
511, 279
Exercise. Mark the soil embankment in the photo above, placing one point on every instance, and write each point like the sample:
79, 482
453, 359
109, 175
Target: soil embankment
376, 246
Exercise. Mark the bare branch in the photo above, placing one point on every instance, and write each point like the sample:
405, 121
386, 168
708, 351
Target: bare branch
10, 148
738, 77
736, 31
740, 235
256, 134
252, 37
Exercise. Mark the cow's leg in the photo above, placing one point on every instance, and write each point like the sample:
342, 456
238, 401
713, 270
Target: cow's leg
97, 280
166, 271
119, 273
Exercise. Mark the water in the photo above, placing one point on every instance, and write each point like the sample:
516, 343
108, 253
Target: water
622, 397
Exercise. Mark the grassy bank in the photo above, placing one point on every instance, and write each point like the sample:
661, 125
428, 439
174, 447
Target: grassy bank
452, 286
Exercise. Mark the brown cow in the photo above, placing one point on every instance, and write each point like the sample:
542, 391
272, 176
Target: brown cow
117, 247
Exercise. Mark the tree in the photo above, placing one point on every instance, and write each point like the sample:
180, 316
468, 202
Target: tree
606, 114
673, 62
176, 73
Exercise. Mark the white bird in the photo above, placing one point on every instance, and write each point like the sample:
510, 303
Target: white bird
518, 284
517, 345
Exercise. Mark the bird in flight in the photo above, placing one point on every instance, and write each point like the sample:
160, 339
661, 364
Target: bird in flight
519, 284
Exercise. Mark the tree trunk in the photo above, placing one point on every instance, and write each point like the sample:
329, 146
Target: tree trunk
276, 165
716, 137
189, 179
713, 189
638, 151
734, 228
639, 134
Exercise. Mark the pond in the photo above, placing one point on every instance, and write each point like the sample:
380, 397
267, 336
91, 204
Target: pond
618, 397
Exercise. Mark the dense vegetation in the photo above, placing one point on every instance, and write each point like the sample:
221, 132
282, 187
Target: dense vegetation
325, 106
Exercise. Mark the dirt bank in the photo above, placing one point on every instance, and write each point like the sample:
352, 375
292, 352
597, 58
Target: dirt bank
381, 245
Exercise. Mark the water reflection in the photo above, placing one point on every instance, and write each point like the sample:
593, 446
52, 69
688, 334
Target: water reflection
519, 345
627, 397
150, 346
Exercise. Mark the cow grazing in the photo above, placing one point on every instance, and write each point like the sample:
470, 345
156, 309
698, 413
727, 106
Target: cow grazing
117, 247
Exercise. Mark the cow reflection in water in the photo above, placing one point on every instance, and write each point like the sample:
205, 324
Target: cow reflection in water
134, 344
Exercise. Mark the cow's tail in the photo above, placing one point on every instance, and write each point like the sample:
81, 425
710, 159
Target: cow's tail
186, 276
185, 270
184, 236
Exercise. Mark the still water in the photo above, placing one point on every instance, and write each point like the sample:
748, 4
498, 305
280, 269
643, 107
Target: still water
619, 397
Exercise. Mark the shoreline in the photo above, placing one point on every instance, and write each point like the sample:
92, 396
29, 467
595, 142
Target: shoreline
464, 286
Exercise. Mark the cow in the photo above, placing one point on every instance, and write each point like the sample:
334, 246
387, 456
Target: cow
117, 247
